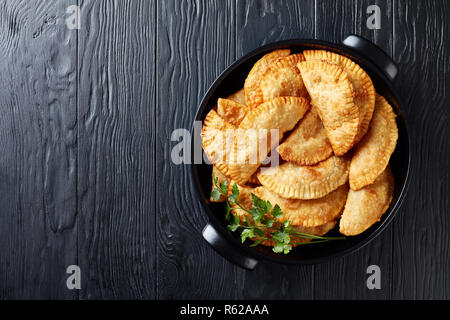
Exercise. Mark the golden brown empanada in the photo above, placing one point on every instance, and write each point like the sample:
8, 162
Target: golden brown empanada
308, 143
331, 93
362, 84
306, 182
307, 213
252, 81
218, 141
366, 206
238, 96
231, 111
282, 78
280, 114
372, 154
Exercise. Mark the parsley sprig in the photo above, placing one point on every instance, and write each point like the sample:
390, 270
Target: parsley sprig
264, 223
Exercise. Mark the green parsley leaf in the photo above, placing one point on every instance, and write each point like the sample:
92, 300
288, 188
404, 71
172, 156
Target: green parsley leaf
215, 194
268, 206
278, 248
276, 212
247, 221
235, 224
247, 233
259, 232
287, 248
224, 188
259, 204
256, 214
288, 229
235, 191
228, 211
281, 237
269, 223
234, 195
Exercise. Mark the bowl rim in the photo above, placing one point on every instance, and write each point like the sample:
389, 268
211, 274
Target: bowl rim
213, 220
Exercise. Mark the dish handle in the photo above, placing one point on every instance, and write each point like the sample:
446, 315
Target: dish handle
226, 249
374, 53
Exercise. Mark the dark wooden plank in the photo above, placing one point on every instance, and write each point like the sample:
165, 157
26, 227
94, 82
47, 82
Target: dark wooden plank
111, 148
421, 238
116, 115
346, 278
335, 19
262, 22
38, 228
259, 23
196, 42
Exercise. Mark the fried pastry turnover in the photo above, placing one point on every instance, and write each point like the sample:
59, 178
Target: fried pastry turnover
307, 213
362, 85
372, 154
278, 115
251, 87
306, 182
218, 141
282, 78
331, 93
364, 207
308, 143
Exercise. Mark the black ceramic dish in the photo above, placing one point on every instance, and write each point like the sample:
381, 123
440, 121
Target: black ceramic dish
382, 72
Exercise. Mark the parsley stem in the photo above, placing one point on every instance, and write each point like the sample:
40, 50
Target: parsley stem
251, 227
306, 235
322, 241
242, 208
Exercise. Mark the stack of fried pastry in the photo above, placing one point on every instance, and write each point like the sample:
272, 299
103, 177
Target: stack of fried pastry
335, 138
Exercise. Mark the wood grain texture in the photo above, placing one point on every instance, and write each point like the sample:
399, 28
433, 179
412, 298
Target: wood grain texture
38, 142
85, 132
260, 23
196, 42
334, 21
116, 181
421, 238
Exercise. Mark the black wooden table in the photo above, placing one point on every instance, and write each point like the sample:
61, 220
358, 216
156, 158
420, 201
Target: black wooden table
86, 118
